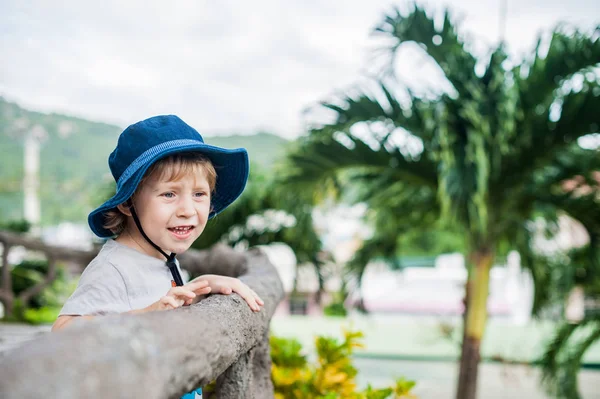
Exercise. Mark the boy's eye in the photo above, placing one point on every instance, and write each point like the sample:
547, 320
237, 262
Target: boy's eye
200, 194
168, 195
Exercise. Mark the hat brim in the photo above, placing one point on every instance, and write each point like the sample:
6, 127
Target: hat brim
232, 169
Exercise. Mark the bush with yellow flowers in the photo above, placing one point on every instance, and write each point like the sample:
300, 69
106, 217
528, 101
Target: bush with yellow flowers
331, 377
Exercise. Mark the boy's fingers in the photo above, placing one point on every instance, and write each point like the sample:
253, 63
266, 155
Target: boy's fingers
249, 298
203, 291
169, 301
195, 285
257, 298
181, 291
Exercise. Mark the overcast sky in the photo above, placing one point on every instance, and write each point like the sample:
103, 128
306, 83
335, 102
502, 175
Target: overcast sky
223, 66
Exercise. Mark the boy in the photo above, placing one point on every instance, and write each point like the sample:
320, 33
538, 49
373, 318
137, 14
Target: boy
169, 184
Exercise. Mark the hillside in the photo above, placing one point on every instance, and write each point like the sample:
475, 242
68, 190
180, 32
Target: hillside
73, 160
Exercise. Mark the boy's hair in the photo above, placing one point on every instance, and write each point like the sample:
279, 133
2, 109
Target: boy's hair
172, 168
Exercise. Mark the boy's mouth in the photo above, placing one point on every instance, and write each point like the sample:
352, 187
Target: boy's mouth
181, 230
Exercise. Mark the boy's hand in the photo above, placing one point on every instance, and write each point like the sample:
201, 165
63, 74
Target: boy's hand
227, 285
179, 296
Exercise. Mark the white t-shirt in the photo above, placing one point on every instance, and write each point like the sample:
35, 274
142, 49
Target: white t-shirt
117, 280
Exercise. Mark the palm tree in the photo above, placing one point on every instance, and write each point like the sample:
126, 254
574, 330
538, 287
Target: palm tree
481, 151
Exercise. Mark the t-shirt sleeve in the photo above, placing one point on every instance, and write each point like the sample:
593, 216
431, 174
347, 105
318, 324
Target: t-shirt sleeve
101, 290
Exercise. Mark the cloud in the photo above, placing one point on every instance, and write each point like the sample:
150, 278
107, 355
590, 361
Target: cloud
228, 66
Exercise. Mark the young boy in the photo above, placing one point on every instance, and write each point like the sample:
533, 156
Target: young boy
169, 184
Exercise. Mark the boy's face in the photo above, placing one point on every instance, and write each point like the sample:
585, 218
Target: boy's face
173, 214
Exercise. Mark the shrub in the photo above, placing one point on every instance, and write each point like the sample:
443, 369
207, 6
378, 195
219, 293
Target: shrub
16, 226
331, 377
336, 309
43, 307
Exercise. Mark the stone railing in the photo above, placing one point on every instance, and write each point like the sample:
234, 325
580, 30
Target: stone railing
10, 240
159, 354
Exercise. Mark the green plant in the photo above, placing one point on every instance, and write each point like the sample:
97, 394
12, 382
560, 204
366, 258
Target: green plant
42, 315
563, 355
335, 309
43, 307
332, 376
16, 226
562, 359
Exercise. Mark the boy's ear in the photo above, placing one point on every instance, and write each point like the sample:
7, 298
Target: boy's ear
124, 208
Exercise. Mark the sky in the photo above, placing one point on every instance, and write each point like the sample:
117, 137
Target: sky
227, 66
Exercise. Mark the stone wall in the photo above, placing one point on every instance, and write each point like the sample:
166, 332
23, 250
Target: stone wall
160, 354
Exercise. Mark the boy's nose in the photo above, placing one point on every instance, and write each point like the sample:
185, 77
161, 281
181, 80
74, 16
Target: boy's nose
186, 208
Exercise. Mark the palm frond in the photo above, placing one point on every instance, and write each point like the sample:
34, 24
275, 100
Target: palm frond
319, 159
378, 104
549, 125
443, 45
567, 54
562, 360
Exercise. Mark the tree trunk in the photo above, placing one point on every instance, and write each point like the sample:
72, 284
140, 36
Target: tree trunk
6, 293
321, 290
476, 317
468, 285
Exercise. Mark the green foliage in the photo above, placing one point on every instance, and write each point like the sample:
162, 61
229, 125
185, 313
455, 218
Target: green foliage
27, 274
287, 352
473, 168
16, 226
430, 242
564, 353
562, 359
42, 315
332, 375
336, 309
43, 307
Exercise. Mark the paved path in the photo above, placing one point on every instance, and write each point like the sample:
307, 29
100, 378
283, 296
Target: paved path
437, 380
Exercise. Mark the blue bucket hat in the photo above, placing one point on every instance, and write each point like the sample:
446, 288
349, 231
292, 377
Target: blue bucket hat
145, 142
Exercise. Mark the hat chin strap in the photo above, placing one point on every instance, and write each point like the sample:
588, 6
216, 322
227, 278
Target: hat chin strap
171, 264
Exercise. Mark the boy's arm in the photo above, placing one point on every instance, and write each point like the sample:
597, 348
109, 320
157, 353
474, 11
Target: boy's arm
62, 321
174, 298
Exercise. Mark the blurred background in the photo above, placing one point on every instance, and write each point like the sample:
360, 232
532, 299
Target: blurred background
416, 168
